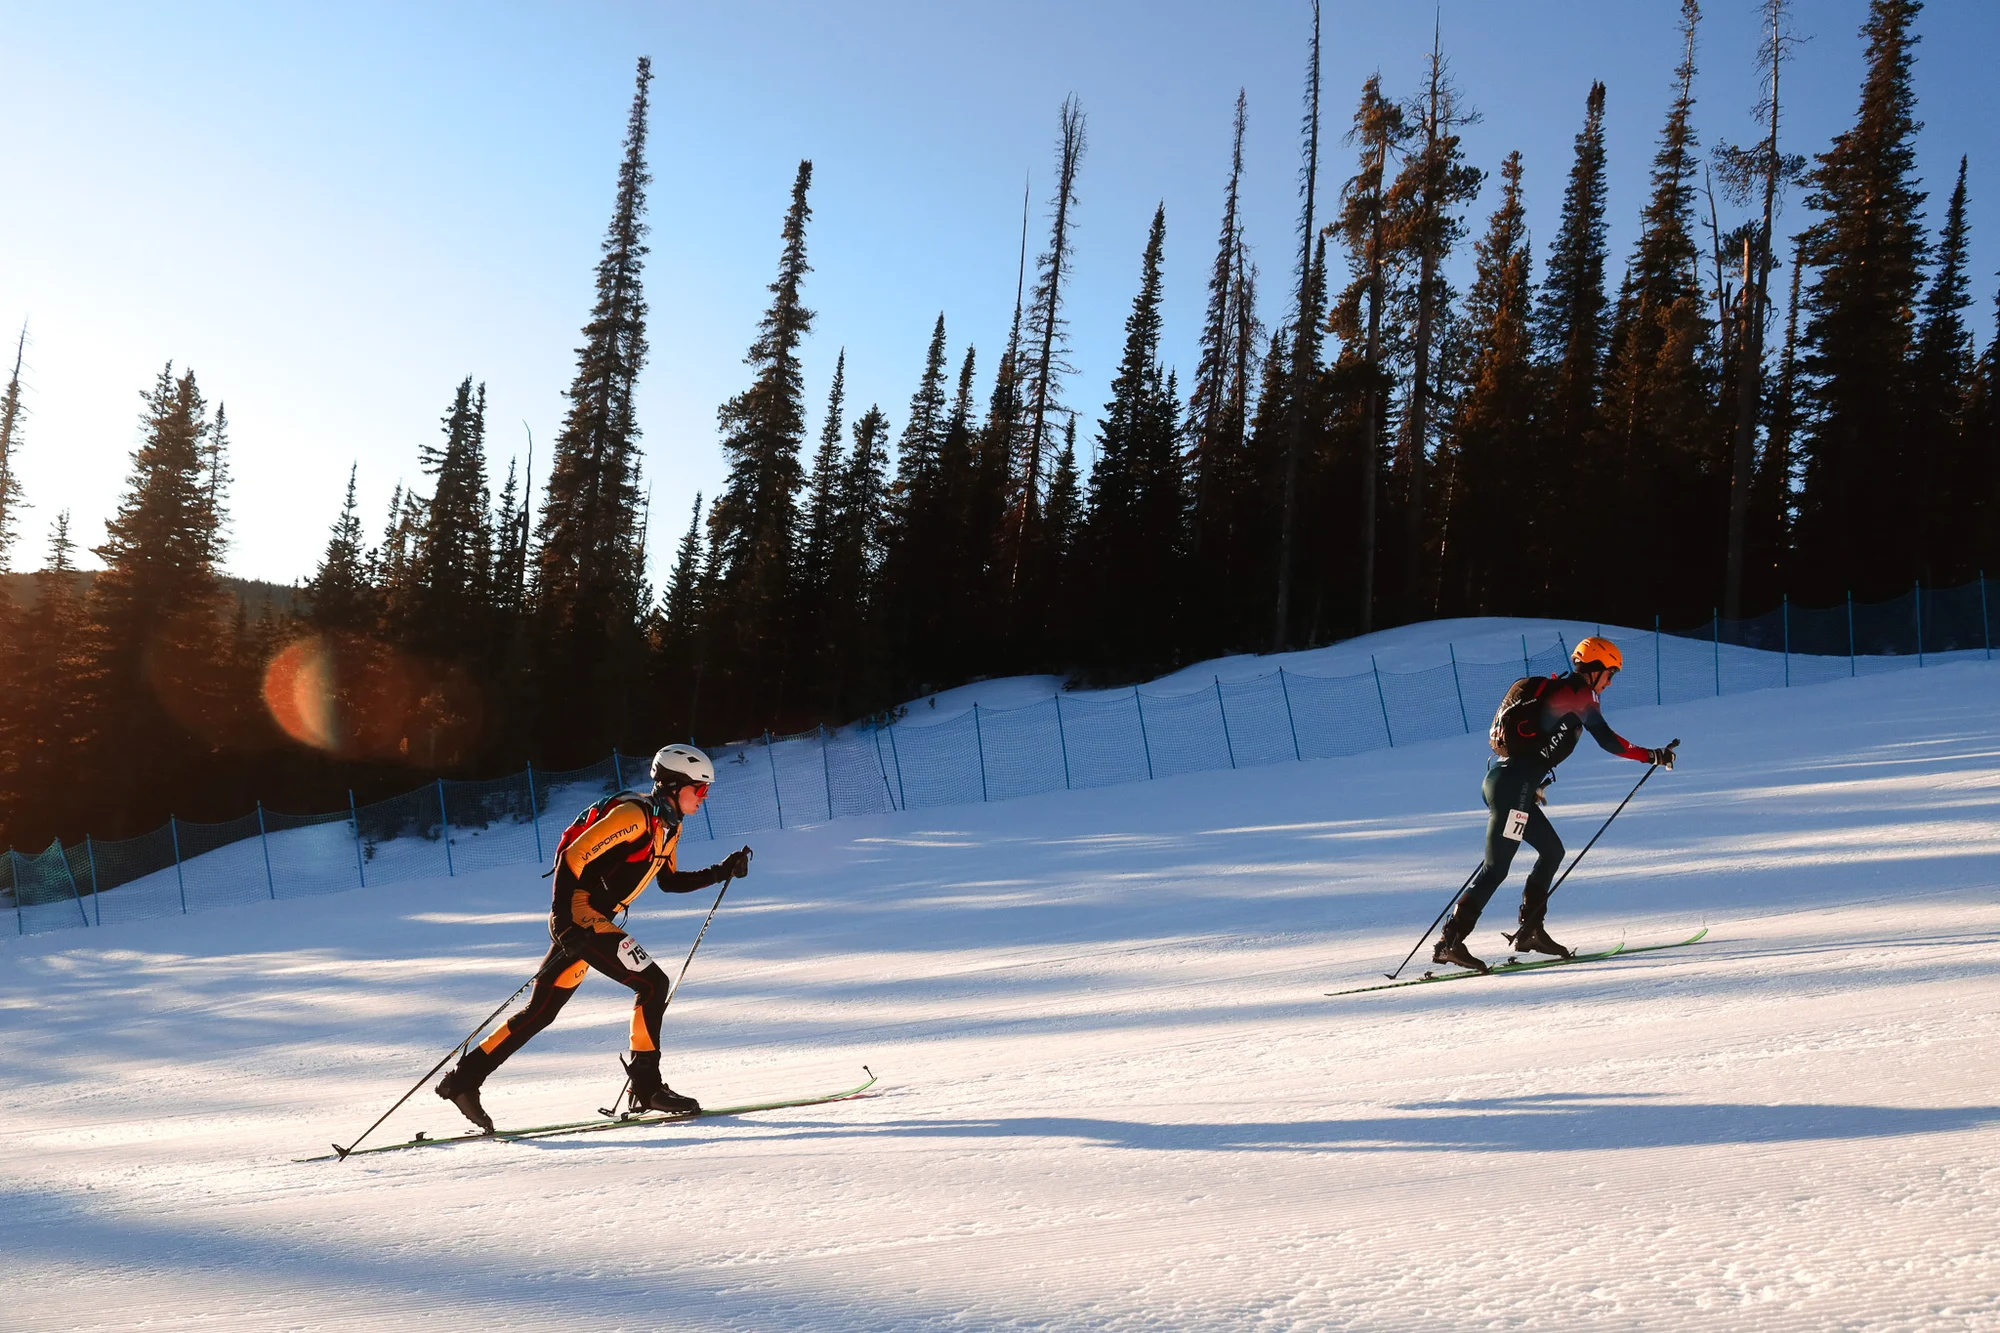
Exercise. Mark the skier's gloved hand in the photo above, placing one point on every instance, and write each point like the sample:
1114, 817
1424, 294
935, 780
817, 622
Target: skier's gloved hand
1664, 756
736, 865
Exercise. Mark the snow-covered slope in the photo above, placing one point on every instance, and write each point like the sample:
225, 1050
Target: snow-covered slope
1113, 1092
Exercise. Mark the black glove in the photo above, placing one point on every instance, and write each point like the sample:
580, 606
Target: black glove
736, 865
1664, 756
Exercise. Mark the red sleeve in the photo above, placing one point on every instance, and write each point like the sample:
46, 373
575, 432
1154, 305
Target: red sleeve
1611, 740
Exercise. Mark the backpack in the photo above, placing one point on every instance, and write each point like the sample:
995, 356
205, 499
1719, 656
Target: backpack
1518, 714
581, 824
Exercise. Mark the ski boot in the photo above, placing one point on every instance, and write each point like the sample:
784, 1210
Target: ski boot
1531, 937
1451, 948
649, 1093
462, 1090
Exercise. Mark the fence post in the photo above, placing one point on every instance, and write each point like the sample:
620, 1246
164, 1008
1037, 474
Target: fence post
881, 768
1850, 634
1381, 700
1062, 739
534, 810
96, 899
354, 822
1985, 628
1143, 739
897, 755
1659, 697
1290, 721
709, 820
1224, 711
1785, 605
180, 877
265, 838
75, 893
979, 739
772, 759
1526, 670
14, 862
444, 821
1715, 619
1919, 598
1458, 689
826, 765
617, 770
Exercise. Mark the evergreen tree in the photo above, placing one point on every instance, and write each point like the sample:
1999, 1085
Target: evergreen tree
1305, 358
1488, 561
587, 576
48, 725
155, 606
510, 540
339, 595
1768, 528
453, 550
1865, 253
857, 557
11, 413
754, 523
1759, 172
1134, 529
1660, 431
1571, 318
1046, 341
1424, 228
822, 507
1944, 360
1379, 130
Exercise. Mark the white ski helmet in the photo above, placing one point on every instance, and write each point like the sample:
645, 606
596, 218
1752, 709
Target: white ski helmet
680, 765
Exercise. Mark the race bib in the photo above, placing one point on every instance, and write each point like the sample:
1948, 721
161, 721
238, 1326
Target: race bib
633, 954
1517, 825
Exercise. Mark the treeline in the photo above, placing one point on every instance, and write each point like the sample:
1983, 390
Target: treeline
1736, 416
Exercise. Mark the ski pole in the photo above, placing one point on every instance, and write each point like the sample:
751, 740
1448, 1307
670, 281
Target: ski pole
1607, 823
1434, 925
617, 1107
456, 1050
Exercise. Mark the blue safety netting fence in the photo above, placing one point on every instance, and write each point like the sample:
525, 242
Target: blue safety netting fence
1064, 742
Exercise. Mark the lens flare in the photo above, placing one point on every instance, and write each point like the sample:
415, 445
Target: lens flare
358, 699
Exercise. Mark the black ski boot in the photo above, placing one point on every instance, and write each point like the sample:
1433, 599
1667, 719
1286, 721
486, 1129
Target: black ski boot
1451, 946
461, 1089
1531, 937
649, 1093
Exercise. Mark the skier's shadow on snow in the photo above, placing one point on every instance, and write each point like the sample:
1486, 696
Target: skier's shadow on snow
1541, 1122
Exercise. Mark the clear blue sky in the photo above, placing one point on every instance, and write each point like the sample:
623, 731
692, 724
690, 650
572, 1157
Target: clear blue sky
333, 213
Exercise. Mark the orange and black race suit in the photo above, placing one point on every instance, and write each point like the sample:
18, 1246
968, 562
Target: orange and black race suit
596, 878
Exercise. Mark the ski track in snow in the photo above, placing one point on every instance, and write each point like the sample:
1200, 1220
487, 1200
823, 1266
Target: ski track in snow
1113, 1093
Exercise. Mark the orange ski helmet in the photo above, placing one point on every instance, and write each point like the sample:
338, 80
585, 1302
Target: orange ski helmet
1596, 652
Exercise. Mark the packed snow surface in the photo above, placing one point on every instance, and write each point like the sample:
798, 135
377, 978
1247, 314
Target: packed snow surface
1114, 1094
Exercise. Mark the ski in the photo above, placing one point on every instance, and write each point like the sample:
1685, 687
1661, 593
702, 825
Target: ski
597, 1126
1618, 951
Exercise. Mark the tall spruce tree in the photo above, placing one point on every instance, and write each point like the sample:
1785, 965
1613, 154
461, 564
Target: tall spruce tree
338, 595
11, 412
1378, 131
1945, 358
1133, 534
453, 551
754, 524
1218, 417
1304, 361
1865, 254
1423, 206
1046, 336
1659, 426
1490, 540
155, 606
1767, 557
587, 583
822, 506
1754, 173
47, 728
852, 655
1571, 316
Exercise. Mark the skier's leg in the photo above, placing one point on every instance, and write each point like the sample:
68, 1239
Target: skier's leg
1500, 793
1542, 836
555, 981
629, 964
